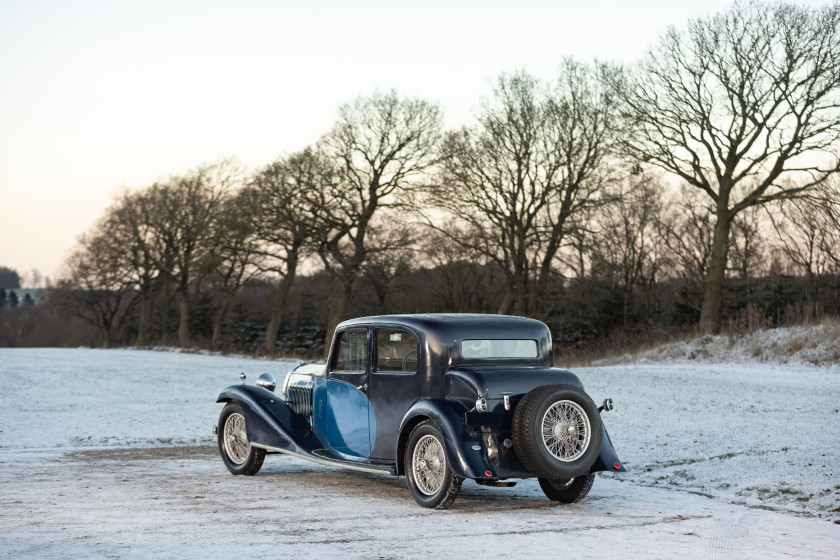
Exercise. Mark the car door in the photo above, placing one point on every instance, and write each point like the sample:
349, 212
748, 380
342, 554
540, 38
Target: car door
348, 416
394, 385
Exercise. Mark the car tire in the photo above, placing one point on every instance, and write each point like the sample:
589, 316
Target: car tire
430, 479
239, 456
557, 432
568, 491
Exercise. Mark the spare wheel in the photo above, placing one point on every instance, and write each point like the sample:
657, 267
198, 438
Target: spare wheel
557, 431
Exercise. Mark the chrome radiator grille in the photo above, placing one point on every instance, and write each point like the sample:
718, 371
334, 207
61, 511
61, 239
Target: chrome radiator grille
300, 400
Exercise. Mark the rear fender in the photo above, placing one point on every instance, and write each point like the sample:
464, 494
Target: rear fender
608, 459
449, 417
269, 421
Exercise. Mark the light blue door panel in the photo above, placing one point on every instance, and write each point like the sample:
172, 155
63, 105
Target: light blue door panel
319, 410
348, 419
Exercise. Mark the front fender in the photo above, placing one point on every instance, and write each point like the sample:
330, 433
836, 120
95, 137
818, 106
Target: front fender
269, 421
449, 417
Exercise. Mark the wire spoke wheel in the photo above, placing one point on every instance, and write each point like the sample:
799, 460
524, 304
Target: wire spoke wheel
235, 439
429, 465
557, 432
238, 455
566, 431
430, 478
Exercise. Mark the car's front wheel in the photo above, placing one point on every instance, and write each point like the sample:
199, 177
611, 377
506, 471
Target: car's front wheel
568, 491
239, 456
430, 479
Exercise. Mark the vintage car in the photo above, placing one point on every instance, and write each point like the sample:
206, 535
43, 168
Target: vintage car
437, 398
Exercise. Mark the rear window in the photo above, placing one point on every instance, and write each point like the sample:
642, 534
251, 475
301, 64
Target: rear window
496, 348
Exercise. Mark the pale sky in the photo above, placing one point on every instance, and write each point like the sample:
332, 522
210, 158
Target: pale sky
100, 95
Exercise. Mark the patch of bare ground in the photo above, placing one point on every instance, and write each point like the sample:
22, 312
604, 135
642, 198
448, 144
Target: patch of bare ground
142, 453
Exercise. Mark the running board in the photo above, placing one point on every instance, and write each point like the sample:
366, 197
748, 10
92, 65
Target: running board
330, 460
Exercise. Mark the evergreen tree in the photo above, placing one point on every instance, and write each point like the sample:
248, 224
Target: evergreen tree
2, 297
9, 278
27, 300
13, 299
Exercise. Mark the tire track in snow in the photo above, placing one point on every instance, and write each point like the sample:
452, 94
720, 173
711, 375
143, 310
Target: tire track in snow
727, 539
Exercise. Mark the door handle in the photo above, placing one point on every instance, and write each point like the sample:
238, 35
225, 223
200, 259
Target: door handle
362, 387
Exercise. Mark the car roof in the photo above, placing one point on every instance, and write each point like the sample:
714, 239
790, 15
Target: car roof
447, 327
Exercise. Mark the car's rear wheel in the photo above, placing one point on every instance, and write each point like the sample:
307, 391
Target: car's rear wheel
239, 456
557, 432
430, 479
568, 490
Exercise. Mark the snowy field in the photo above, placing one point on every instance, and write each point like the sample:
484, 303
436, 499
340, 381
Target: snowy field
809, 345
109, 454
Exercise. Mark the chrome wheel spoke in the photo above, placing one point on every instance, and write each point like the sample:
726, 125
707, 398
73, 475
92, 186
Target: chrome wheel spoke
566, 431
236, 439
429, 465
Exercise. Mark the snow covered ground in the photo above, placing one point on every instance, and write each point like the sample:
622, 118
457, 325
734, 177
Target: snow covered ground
109, 454
811, 344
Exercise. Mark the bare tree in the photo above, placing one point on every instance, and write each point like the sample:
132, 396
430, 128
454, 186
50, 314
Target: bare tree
131, 228
103, 289
279, 201
381, 144
626, 243
575, 255
829, 203
687, 230
805, 232
391, 252
182, 224
747, 244
459, 280
535, 159
234, 250
732, 106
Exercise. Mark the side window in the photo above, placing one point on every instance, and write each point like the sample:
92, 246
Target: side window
352, 351
396, 350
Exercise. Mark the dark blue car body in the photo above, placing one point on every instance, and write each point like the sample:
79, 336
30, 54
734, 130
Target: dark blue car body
358, 410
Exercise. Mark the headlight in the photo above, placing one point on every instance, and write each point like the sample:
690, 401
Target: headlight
267, 381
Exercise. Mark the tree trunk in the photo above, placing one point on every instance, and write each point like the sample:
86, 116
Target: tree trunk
184, 316
281, 296
164, 330
540, 297
278, 310
105, 331
713, 283
145, 316
270, 342
504, 307
219, 320
522, 299
338, 310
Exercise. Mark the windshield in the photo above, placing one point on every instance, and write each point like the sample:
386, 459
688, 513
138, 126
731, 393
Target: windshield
499, 348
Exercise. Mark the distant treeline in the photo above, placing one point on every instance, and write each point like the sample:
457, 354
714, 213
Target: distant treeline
593, 315
695, 189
